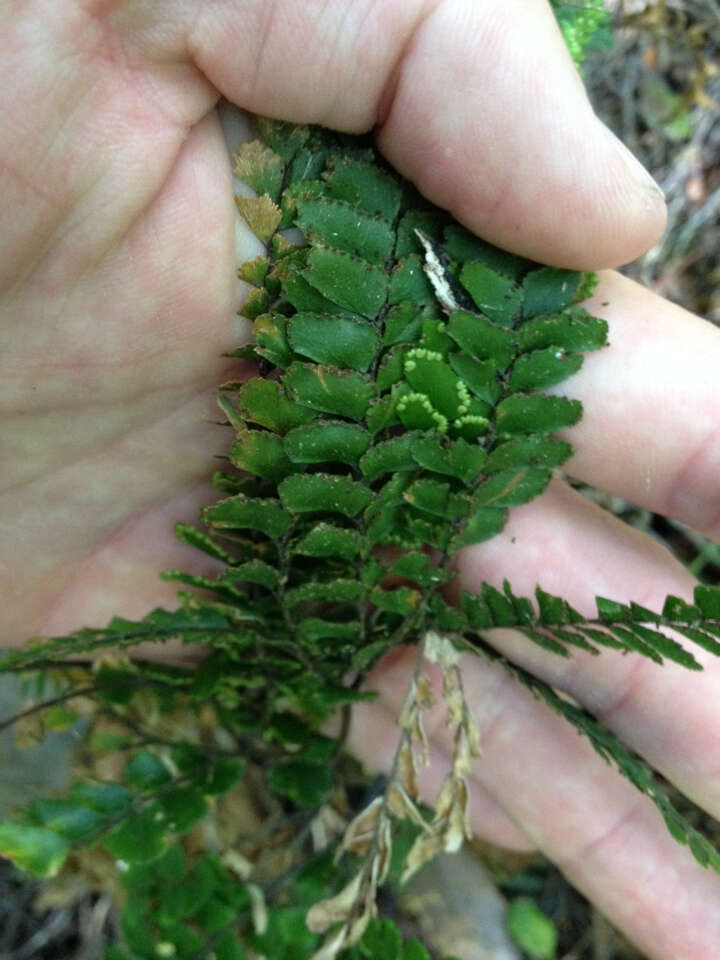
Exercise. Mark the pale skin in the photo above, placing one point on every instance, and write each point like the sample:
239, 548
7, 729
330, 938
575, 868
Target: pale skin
117, 296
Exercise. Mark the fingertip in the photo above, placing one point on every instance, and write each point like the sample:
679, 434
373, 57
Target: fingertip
490, 120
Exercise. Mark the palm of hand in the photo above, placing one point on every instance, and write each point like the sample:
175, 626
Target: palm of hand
117, 300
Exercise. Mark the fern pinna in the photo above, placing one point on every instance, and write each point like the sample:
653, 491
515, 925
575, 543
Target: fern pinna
398, 412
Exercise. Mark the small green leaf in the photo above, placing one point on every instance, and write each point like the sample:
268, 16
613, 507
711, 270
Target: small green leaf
700, 637
389, 495
463, 246
314, 628
484, 524
318, 591
382, 413
215, 916
270, 336
223, 774
511, 488
665, 646
531, 929
414, 950
230, 483
389, 456
496, 295
531, 413
193, 537
212, 773
323, 493
183, 808
146, 771
342, 226
401, 600
349, 281
428, 374
284, 138
261, 453
574, 330
35, 849
481, 338
677, 609
416, 412
707, 600
554, 611
435, 338
254, 571
296, 290
306, 784
535, 451
408, 282
549, 290
382, 940
501, 606
136, 930
248, 513
264, 402
308, 162
447, 617
429, 221
255, 304
476, 610
336, 341
403, 324
610, 611
180, 901
364, 184
337, 392
106, 798
254, 271
470, 427
228, 948
390, 371
480, 376
419, 568
326, 540
430, 496
139, 837
329, 441
115, 686
543, 368
261, 215
455, 458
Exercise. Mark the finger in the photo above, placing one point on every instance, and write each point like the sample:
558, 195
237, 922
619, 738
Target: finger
608, 840
477, 102
573, 548
651, 424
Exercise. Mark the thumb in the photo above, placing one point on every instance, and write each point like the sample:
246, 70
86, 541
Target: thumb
476, 102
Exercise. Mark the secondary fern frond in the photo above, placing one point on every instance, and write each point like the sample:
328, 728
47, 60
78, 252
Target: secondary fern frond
614, 752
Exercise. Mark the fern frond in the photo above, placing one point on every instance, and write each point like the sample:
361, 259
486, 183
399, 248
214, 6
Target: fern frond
626, 627
400, 403
614, 752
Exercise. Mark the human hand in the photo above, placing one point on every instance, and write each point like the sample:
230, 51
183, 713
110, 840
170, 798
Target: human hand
118, 296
